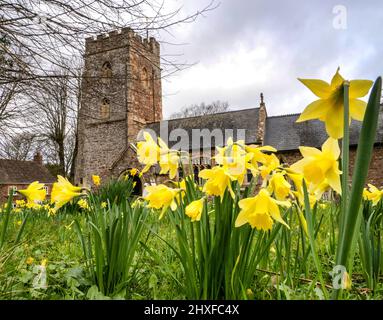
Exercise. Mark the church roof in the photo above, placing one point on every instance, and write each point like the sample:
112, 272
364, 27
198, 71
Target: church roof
23, 172
237, 124
283, 133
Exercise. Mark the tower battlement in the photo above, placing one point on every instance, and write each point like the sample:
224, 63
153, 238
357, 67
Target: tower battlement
119, 38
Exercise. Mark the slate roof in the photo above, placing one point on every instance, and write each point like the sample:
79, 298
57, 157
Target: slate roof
23, 172
237, 124
283, 133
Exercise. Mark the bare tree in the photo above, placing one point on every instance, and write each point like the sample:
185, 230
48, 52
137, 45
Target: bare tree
20, 146
201, 109
50, 33
52, 113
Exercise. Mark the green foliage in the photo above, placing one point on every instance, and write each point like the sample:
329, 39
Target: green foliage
110, 239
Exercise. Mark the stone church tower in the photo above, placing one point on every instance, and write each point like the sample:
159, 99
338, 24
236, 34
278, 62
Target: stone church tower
120, 94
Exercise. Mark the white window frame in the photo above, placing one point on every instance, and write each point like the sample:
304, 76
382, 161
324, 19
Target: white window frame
14, 189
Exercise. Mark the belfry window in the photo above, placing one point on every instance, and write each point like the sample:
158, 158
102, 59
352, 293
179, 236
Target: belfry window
106, 71
105, 109
145, 78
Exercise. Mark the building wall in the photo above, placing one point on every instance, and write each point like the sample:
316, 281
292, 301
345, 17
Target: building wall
121, 93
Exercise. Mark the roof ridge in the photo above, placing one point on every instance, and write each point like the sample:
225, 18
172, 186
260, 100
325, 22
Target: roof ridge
284, 115
203, 115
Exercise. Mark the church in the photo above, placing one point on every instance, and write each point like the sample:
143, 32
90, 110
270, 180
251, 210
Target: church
121, 96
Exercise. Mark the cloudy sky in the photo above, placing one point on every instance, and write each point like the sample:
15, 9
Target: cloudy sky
245, 47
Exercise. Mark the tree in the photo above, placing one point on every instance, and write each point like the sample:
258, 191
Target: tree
52, 113
20, 146
51, 33
201, 109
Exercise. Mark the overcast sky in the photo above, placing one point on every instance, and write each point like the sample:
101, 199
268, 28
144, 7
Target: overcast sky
245, 47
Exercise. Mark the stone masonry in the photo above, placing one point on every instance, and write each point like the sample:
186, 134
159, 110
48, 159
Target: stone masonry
121, 93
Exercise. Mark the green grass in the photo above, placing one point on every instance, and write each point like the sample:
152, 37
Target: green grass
286, 272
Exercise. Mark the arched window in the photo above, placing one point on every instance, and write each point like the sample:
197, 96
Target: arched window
106, 71
105, 109
145, 78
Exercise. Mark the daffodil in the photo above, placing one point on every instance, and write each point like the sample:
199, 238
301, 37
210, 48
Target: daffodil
104, 205
29, 260
133, 171
83, 204
271, 162
329, 108
169, 159
161, 197
373, 194
34, 192
96, 180
217, 181
258, 156
234, 159
63, 191
319, 166
279, 186
259, 211
194, 209
147, 152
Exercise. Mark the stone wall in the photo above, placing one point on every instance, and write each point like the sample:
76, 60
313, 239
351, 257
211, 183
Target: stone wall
121, 93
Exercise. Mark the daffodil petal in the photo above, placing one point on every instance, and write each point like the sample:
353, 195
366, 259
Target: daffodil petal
319, 87
357, 109
334, 123
309, 151
334, 181
337, 79
315, 110
331, 146
359, 88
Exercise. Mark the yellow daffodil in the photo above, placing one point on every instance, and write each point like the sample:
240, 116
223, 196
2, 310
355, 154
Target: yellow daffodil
217, 182
44, 262
96, 180
271, 162
169, 160
29, 260
147, 152
329, 108
234, 159
259, 211
320, 166
104, 205
83, 204
373, 194
161, 197
34, 192
258, 156
63, 191
279, 186
133, 171
194, 210
20, 203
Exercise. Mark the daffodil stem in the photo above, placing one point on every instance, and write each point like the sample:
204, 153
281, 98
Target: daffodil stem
362, 162
345, 153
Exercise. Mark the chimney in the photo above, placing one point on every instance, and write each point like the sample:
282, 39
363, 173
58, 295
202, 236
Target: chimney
38, 158
262, 115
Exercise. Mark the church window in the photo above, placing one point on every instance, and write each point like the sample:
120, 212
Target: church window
106, 70
145, 78
105, 109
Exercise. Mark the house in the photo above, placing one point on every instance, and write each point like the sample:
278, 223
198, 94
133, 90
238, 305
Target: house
18, 174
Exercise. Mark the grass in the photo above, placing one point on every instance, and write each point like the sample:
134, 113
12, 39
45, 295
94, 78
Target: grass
287, 271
